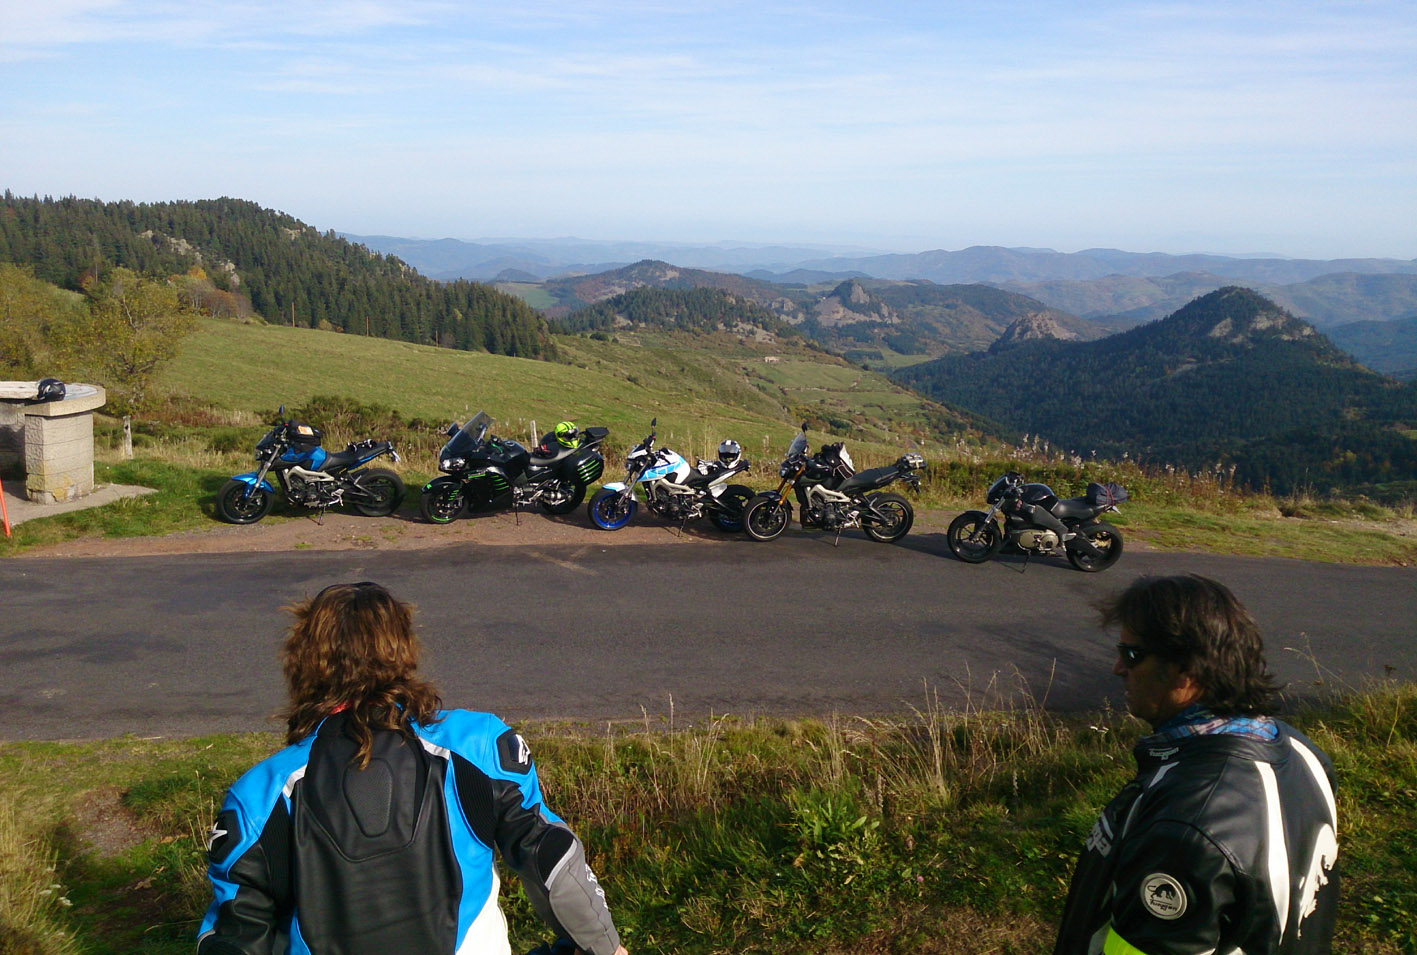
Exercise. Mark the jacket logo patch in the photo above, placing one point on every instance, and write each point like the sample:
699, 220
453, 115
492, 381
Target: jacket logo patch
1166, 753
1100, 839
513, 752
1163, 896
225, 835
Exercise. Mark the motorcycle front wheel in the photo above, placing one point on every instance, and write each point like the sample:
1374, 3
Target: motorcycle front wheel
383, 492
765, 518
728, 516
610, 510
442, 503
565, 497
973, 538
1105, 538
899, 518
235, 506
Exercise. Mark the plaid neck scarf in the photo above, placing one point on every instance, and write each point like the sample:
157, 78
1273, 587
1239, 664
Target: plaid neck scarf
1197, 720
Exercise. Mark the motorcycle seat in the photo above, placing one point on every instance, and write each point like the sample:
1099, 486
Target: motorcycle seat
1074, 507
869, 479
339, 460
541, 460
695, 479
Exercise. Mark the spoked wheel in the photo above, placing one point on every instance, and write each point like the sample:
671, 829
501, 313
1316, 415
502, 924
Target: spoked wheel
235, 506
563, 497
442, 503
900, 516
765, 518
728, 517
1105, 538
973, 538
610, 510
383, 492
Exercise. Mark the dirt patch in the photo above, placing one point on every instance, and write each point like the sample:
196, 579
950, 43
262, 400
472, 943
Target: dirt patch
109, 827
339, 531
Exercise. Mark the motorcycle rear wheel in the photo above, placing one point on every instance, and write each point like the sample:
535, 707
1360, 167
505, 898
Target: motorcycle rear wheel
609, 511
1105, 538
728, 516
765, 518
234, 506
574, 494
973, 538
442, 503
383, 489
898, 510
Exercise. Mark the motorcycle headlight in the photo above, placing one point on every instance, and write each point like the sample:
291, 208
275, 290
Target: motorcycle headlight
785, 471
452, 464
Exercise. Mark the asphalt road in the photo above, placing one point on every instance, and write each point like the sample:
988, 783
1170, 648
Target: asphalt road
163, 646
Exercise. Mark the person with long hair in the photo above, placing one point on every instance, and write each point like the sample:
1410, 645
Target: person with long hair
1227, 838
374, 829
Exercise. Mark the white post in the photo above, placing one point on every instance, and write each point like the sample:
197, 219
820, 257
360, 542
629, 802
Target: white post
127, 436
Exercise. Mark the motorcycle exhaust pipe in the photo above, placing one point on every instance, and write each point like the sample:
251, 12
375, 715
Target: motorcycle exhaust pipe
1080, 542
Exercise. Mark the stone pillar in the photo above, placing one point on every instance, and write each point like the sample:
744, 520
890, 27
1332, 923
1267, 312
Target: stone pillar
12, 439
59, 445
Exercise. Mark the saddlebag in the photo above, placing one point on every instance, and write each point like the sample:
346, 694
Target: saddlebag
1105, 495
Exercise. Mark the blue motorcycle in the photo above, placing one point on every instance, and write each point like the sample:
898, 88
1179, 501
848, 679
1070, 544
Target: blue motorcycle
309, 476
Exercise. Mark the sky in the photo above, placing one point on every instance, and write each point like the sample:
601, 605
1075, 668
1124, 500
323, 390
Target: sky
1259, 127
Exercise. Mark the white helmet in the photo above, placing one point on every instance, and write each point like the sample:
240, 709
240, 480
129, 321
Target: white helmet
729, 452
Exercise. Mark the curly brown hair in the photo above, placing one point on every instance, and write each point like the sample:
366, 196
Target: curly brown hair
1199, 625
352, 650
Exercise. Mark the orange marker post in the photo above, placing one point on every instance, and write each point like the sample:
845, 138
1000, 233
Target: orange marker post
4, 511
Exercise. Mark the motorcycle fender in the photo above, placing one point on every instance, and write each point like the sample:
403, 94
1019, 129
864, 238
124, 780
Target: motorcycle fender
250, 478
613, 486
440, 481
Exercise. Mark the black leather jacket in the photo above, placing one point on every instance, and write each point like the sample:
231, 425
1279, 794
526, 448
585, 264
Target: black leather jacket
312, 852
1221, 844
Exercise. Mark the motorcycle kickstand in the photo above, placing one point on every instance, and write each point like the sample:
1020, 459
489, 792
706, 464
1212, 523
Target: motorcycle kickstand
836, 541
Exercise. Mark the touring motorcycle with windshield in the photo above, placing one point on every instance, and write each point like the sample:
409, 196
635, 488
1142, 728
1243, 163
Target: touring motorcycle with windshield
309, 476
673, 489
482, 471
1036, 522
831, 495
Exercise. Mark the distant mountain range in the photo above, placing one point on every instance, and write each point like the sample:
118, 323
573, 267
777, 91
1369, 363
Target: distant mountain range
1229, 378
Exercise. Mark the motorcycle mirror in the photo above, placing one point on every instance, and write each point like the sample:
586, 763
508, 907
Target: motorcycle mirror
804, 427
654, 422
452, 429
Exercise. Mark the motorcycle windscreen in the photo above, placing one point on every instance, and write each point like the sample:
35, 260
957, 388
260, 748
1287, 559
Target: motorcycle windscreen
469, 436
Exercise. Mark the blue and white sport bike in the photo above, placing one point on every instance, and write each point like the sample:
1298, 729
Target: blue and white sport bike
310, 476
674, 489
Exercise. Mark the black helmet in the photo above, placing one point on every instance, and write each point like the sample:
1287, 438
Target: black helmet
50, 389
729, 452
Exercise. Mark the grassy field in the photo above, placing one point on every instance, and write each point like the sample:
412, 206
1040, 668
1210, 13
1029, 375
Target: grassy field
229, 378
937, 833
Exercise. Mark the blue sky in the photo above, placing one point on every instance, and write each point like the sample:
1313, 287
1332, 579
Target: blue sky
1285, 127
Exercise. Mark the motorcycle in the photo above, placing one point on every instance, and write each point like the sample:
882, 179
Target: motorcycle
674, 490
309, 476
1037, 522
831, 495
483, 471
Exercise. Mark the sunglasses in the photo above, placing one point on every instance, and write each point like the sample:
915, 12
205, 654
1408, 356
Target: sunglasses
1132, 653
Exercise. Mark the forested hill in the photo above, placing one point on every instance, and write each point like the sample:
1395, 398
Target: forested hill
689, 309
285, 270
1229, 378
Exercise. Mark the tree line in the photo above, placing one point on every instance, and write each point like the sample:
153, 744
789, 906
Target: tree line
266, 262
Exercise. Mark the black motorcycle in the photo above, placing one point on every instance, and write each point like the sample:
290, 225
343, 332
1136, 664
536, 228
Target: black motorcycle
309, 476
483, 471
832, 496
1037, 522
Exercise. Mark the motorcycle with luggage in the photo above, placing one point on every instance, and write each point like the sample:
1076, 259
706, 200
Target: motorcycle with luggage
1037, 522
833, 496
311, 477
675, 490
484, 472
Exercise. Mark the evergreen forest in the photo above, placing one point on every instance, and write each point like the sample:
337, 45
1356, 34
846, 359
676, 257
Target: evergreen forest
1229, 381
259, 261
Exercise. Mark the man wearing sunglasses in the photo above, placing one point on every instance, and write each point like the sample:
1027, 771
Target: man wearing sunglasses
1226, 840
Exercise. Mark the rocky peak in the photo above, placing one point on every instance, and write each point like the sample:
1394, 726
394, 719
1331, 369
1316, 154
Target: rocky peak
1035, 326
1239, 316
